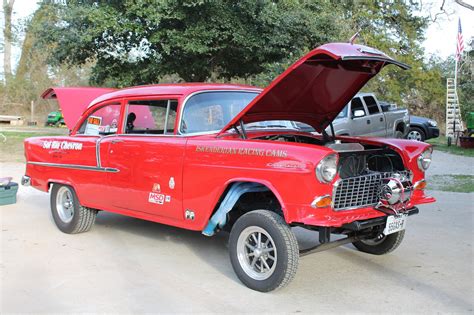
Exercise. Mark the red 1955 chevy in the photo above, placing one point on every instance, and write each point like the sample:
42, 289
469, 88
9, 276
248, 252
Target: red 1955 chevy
210, 157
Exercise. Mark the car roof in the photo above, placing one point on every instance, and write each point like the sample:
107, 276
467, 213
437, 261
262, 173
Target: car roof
182, 89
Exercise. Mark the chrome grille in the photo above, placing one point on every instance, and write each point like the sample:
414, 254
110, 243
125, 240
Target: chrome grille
359, 191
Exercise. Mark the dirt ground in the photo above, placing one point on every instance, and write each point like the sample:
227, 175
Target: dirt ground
125, 265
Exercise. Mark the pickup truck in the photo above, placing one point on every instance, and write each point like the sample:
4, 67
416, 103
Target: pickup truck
366, 116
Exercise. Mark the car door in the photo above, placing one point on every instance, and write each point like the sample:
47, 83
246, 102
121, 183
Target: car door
148, 155
359, 125
375, 116
91, 175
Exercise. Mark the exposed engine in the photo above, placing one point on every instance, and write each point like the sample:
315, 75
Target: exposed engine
370, 175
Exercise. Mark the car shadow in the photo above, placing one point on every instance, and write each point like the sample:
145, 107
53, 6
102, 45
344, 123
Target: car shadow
212, 250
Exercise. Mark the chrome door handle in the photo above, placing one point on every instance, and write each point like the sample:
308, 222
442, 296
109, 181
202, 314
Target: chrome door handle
116, 141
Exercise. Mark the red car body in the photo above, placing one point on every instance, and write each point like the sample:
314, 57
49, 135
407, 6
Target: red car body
165, 178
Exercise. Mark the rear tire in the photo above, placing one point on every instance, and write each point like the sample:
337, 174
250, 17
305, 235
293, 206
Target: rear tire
70, 217
263, 251
381, 247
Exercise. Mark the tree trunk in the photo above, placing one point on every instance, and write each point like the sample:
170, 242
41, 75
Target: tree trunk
7, 36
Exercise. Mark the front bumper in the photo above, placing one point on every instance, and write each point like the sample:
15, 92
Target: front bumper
365, 224
328, 217
433, 132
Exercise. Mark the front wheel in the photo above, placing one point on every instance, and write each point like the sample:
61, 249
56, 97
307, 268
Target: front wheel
416, 134
263, 250
70, 217
380, 245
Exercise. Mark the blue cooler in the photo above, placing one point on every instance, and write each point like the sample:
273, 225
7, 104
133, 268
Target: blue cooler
8, 193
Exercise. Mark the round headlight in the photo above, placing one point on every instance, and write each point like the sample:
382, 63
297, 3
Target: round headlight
432, 123
327, 169
424, 160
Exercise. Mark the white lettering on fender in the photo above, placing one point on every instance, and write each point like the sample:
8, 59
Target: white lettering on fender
63, 145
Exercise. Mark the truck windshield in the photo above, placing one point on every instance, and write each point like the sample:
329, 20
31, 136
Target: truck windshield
211, 111
343, 113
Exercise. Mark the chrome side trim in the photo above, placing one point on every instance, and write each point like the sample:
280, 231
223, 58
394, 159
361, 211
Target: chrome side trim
77, 167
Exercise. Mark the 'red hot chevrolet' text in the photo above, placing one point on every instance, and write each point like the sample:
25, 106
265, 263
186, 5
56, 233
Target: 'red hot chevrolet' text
211, 157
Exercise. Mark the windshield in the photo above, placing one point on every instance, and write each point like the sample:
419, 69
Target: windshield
343, 113
211, 111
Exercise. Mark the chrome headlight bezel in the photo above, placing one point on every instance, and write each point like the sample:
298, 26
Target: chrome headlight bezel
424, 159
326, 169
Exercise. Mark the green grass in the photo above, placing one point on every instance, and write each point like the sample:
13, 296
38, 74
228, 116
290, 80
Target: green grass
454, 183
11, 143
441, 144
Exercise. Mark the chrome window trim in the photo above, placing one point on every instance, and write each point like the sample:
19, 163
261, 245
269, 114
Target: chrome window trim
181, 110
165, 130
77, 166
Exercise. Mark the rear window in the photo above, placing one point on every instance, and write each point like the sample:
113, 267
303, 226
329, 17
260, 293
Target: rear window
371, 105
211, 111
151, 117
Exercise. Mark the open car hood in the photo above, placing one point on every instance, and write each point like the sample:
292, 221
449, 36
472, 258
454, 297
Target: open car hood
73, 101
316, 88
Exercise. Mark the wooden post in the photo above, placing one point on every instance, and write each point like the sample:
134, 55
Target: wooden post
32, 118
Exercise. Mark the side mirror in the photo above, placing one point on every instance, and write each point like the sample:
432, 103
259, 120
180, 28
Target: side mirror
358, 113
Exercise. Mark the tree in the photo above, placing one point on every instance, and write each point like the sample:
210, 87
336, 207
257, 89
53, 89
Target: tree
7, 38
195, 39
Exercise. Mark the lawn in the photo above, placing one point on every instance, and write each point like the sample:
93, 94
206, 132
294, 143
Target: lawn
441, 144
11, 142
456, 183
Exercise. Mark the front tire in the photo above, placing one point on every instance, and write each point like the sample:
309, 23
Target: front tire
263, 251
381, 246
417, 134
70, 217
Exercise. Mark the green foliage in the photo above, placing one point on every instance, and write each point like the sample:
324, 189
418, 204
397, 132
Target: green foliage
137, 42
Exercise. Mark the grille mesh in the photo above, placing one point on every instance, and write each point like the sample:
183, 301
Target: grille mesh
359, 191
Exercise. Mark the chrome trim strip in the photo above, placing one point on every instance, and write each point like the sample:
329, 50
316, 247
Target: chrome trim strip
77, 167
181, 110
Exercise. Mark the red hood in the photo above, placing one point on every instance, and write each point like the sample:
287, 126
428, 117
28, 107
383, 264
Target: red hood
73, 101
316, 88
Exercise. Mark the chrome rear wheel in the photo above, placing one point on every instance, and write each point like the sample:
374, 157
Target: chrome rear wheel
65, 204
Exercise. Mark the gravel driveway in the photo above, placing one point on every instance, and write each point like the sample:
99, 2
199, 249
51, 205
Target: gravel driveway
125, 265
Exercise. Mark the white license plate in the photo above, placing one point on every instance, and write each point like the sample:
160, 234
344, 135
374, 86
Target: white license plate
395, 223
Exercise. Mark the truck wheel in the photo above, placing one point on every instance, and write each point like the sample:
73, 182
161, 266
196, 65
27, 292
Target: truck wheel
381, 246
263, 250
70, 217
417, 134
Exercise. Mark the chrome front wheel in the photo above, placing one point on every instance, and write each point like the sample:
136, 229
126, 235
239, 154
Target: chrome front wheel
257, 253
263, 250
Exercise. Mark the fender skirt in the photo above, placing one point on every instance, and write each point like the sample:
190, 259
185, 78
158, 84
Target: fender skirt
219, 219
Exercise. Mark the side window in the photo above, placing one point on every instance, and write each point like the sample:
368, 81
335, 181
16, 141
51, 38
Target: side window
103, 121
151, 117
356, 104
371, 105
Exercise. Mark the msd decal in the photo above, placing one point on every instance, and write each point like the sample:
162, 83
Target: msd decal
156, 198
